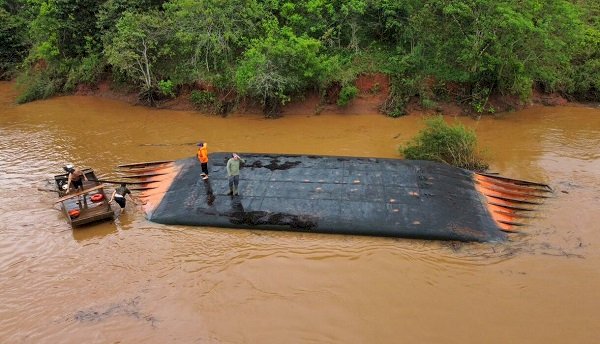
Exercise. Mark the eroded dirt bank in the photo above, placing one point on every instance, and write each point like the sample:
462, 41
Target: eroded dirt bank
373, 91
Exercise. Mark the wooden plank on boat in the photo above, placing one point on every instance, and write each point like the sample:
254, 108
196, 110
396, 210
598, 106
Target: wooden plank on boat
62, 199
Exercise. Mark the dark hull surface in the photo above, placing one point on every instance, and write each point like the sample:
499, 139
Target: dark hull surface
341, 195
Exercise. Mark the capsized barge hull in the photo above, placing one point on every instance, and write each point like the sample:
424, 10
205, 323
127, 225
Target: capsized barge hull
338, 195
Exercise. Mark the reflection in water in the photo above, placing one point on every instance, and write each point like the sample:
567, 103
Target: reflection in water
95, 231
218, 285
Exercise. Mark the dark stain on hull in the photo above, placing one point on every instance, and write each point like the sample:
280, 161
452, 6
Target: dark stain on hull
264, 218
275, 164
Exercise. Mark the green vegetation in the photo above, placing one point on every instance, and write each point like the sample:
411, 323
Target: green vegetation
347, 93
279, 66
141, 49
39, 84
454, 145
166, 88
203, 100
272, 51
13, 39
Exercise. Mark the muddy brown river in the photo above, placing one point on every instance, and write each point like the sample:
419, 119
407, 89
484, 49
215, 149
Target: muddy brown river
134, 281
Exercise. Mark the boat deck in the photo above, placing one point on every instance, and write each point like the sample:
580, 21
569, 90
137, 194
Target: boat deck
89, 211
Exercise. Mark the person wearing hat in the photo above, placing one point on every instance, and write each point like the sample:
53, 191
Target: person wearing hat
203, 158
76, 177
233, 173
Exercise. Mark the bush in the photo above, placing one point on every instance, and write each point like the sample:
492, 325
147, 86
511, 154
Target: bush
347, 93
203, 100
454, 145
167, 88
38, 84
406, 82
400, 92
87, 70
428, 103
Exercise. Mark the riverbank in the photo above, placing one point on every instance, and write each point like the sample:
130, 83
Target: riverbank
373, 90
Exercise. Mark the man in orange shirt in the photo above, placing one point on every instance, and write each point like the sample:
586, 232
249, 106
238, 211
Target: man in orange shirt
203, 158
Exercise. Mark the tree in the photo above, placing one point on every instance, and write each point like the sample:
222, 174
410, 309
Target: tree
278, 66
502, 46
141, 48
13, 38
110, 11
586, 63
62, 29
274, 49
212, 34
335, 23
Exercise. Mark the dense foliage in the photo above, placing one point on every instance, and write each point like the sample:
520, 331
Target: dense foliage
13, 37
452, 144
271, 51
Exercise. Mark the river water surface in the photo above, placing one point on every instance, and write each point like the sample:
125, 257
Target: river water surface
135, 281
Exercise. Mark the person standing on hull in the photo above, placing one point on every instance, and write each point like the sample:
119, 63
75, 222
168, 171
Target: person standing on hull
203, 158
233, 173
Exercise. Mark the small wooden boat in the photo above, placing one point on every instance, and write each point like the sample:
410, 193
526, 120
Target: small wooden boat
89, 205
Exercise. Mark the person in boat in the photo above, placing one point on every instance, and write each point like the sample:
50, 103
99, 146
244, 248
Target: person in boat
119, 196
76, 177
203, 158
233, 173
